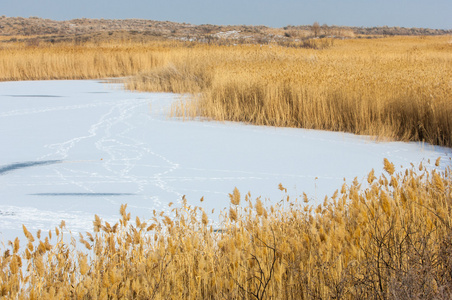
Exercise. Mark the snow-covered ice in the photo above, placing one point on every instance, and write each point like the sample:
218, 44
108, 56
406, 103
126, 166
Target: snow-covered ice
72, 149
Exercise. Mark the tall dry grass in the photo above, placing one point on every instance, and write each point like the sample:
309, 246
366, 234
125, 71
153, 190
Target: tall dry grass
387, 239
397, 88
46, 61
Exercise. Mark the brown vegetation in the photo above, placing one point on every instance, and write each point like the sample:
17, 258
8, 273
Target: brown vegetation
395, 87
149, 30
44, 61
390, 238
387, 239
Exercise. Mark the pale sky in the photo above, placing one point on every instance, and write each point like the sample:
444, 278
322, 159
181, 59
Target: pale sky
404, 13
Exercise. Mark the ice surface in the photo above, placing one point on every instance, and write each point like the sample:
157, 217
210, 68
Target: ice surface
72, 149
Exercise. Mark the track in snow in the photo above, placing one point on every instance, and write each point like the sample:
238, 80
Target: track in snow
72, 149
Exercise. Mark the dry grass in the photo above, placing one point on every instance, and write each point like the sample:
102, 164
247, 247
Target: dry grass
395, 87
44, 61
388, 240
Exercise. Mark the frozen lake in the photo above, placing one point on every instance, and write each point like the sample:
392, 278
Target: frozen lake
72, 149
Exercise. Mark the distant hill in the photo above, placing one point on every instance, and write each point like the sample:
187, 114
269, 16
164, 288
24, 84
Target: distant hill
147, 29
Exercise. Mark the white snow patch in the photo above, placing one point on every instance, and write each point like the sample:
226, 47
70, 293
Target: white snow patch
232, 34
72, 149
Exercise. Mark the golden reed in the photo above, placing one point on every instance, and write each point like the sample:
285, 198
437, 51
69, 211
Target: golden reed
398, 87
386, 239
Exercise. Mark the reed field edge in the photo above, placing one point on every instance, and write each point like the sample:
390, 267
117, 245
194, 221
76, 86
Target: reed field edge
389, 237
397, 88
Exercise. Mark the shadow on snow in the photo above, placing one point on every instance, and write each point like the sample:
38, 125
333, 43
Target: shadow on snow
27, 164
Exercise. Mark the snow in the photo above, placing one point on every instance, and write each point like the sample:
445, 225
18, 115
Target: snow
234, 34
72, 149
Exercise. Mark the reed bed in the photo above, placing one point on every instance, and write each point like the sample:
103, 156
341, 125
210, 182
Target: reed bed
46, 61
387, 238
396, 88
